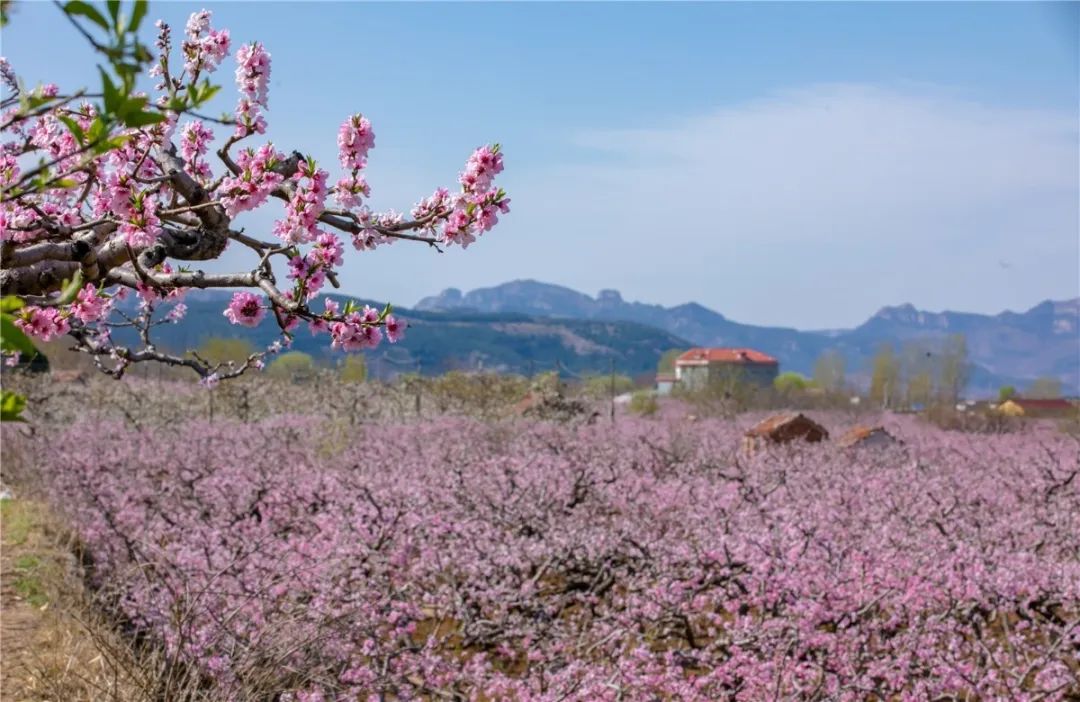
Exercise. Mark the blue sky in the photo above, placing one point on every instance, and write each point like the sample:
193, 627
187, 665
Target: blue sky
789, 164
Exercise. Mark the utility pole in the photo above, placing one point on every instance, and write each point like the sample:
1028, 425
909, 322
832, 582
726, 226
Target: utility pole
419, 385
612, 389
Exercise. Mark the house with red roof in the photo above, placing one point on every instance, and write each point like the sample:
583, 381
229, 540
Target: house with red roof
1045, 407
665, 382
698, 367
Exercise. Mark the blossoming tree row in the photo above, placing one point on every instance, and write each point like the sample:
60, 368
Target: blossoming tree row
455, 560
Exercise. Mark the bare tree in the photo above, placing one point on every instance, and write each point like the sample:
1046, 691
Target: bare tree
885, 381
954, 369
1044, 388
829, 371
918, 368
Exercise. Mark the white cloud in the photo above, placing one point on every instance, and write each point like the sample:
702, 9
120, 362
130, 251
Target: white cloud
811, 208
778, 209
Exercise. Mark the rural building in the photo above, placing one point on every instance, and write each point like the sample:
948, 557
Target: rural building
1009, 409
869, 437
1057, 407
698, 367
664, 383
1024, 407
782, 429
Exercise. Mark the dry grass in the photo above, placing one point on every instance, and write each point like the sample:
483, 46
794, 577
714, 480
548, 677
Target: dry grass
52, 644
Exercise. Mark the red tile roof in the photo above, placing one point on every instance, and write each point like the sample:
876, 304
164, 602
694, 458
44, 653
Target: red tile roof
783, 427
860, 433
695, 357
1043, 404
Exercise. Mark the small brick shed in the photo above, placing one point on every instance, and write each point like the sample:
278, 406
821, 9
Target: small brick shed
783, 429
861, 436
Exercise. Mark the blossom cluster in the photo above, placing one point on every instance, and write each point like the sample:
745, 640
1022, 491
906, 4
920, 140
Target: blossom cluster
355, 139
253, 83
477, 209
246, 309
305, 205
195, 138
310, 269
204, 48
47, 323
360, 330
256, 180
642, 560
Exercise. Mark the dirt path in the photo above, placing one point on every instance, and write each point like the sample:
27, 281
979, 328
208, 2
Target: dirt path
21, 602
46, 652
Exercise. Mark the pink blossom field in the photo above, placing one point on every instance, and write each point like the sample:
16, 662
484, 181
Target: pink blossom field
644, 560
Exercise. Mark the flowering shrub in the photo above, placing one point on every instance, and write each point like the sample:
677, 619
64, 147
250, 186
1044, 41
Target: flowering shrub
636, 561
644, 403
99, 194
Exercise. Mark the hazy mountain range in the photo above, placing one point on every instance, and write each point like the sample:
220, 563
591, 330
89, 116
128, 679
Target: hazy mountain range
1009, 347
440, 341
528, 326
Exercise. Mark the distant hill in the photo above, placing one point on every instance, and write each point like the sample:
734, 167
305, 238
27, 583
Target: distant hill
1011, 346
527, 326
438, 341
1005, 348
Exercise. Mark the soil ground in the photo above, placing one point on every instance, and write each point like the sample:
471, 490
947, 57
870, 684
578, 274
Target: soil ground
47, 651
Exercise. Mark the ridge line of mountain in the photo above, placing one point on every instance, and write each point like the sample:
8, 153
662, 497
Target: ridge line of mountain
1006, 347
528, 326
453, 298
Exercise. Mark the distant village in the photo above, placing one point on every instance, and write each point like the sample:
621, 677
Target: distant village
700, 368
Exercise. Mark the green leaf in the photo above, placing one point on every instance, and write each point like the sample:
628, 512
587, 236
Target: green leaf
12, 338
134, 104
11, 407
137, 14
114, 8
203, 93
74, 128
113, 99
128, 71
142, 119
97, 129
85, 9
114, 143
11, 303
177, 104
35, 101
71, 289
